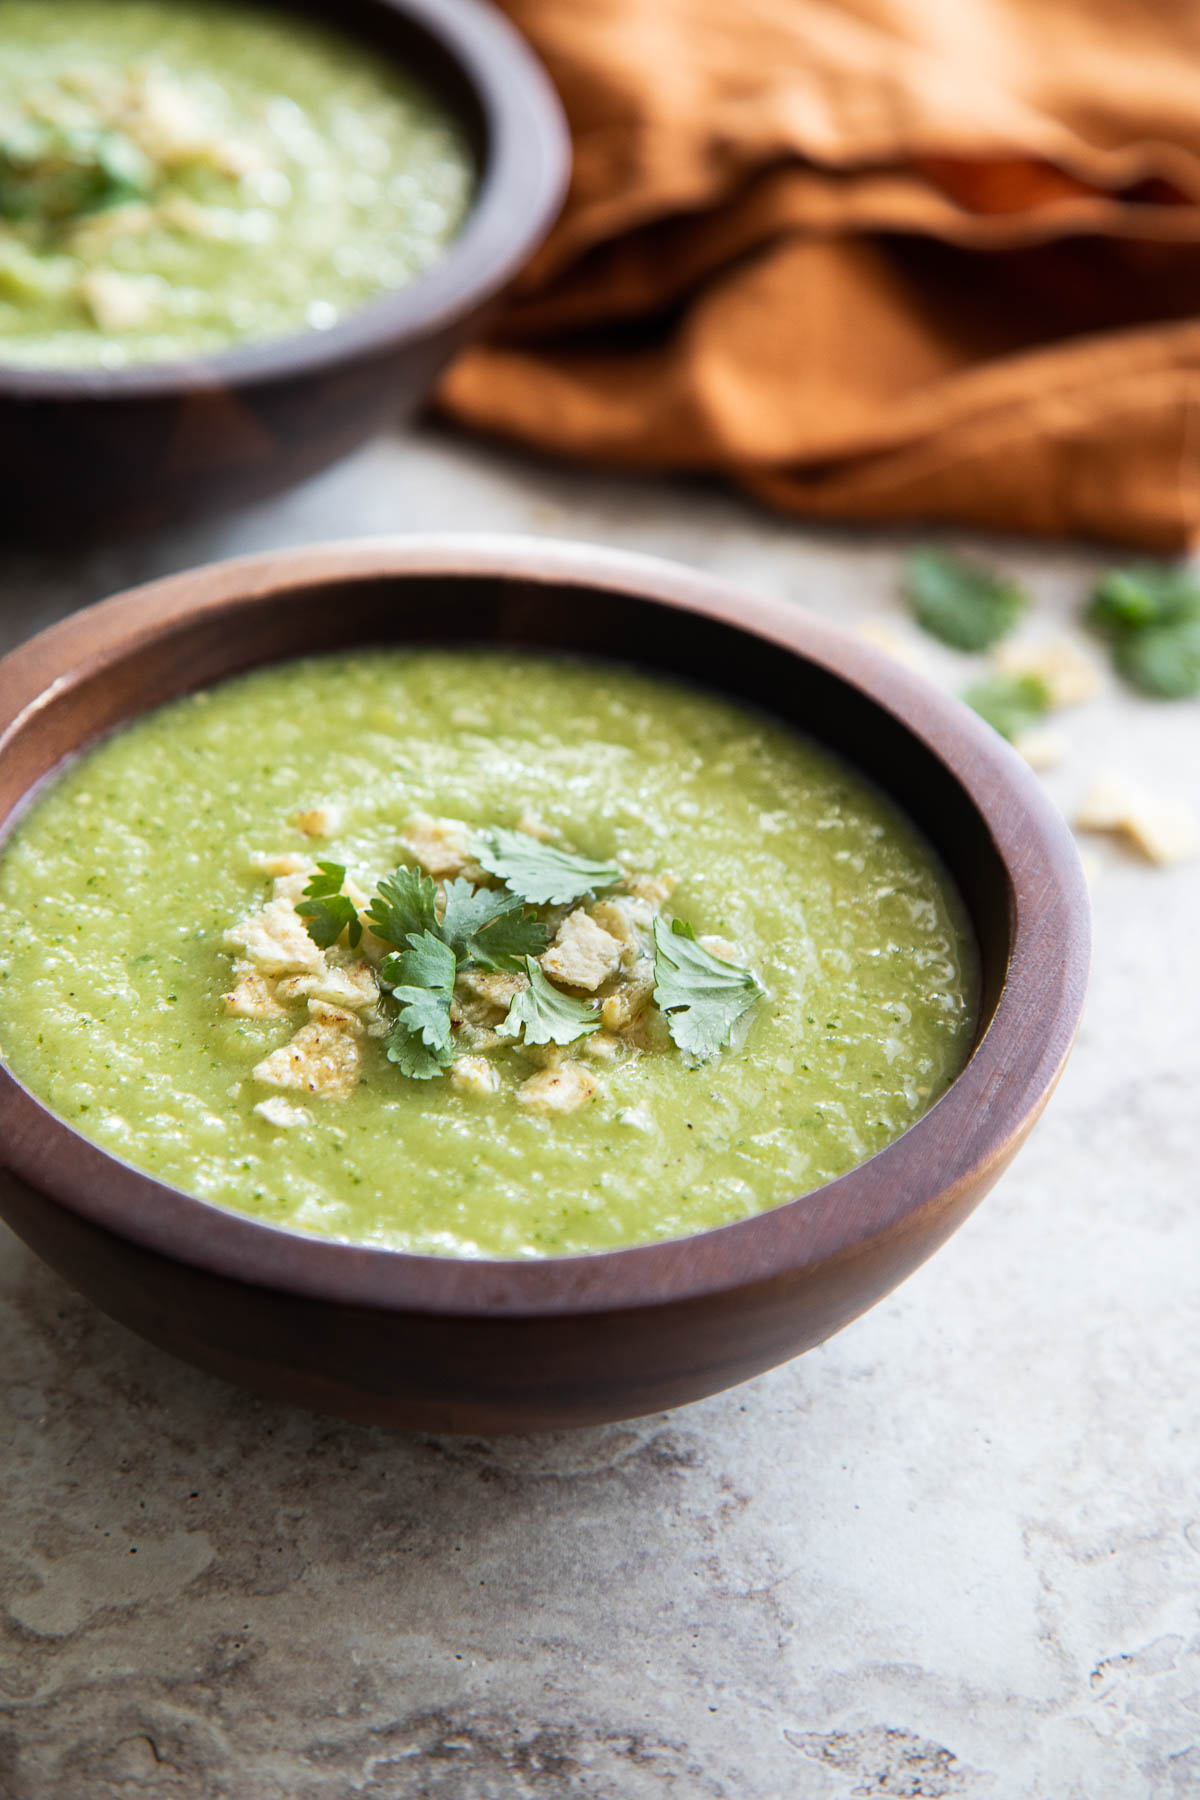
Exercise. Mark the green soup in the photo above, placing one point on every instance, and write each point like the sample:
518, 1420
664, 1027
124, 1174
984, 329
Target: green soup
175, 178
119, 889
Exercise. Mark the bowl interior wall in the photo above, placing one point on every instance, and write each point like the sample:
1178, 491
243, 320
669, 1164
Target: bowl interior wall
400, 37
550, 616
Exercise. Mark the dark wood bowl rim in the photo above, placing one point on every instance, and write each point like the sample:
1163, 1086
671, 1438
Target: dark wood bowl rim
952, 1150
521, 189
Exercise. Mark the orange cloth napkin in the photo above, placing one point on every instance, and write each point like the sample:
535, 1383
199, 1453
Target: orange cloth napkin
872, 259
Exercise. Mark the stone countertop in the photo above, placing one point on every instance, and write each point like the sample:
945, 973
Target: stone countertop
953, 1552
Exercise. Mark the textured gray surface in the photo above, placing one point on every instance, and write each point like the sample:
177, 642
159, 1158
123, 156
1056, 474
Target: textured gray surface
955, 1552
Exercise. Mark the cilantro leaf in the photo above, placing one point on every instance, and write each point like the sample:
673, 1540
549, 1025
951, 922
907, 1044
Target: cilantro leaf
326, 911
329, 879
1150, 614
1010, 703
1163, 660
547, 1016
1144, 595
508, 940
703, 998
964, 605
490, 928
537, 872
424, 988
426, 963
412, 1055
404, 903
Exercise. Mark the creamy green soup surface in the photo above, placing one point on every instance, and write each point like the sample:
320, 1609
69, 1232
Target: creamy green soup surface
179, 177
139, 889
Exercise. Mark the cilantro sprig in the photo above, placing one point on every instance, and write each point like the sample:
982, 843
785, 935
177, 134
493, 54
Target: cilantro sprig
702, 996
488, 929
545, 1015
478, 928
960, 602
405, 902
326, 911
483, 928
540, 874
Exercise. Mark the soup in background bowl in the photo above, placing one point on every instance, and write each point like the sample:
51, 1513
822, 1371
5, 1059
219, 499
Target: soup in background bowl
179, 178
234, 241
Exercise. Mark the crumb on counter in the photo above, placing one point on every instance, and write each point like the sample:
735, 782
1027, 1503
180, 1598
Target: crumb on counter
1165, 831
1069, 675
1041, 748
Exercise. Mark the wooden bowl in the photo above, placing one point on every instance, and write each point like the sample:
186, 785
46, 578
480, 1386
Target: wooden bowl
449, 1344
89, 452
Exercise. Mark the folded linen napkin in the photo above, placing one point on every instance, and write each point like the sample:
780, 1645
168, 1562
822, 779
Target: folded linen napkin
872, 259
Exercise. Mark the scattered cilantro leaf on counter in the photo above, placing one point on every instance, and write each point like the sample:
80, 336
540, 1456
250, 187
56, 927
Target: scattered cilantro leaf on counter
1150, 613
702, 996
1010, 703
966, 606
1163, 660
405, 902
488, 927
537, 872
547, 1016
326, 911
1146, 594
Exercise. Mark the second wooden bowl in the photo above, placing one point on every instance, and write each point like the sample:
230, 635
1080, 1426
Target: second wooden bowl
92, 452
485, 1346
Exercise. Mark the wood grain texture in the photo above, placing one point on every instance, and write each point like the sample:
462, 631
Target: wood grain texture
93, 452
447, 1344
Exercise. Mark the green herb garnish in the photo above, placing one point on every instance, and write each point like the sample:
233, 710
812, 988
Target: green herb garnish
964, 605
540, 874
1010, 703
702, 996
412, 1055
1150, 613
55, 174
547, 1016
326, 911
422, 982
489, 929
484, 928
405, 902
